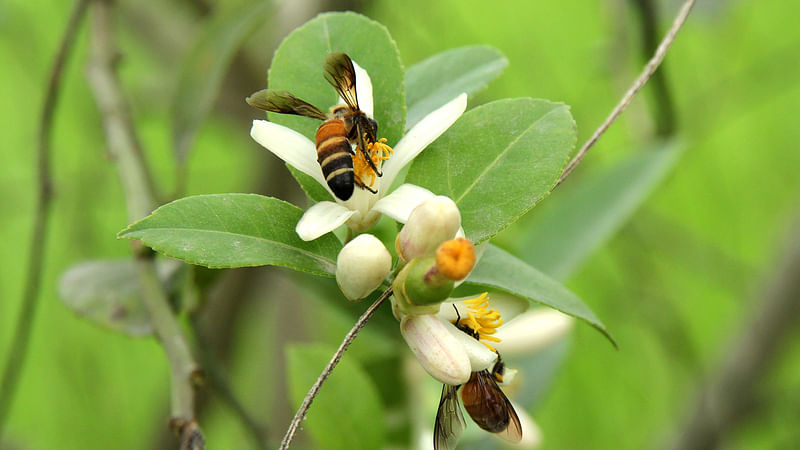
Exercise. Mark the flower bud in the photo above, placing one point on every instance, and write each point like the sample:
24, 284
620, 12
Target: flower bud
420, 287
361, 266
455, 258
432, 222
438, 351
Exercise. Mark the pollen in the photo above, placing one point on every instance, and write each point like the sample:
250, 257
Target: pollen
455, 258
378, 152
481, 320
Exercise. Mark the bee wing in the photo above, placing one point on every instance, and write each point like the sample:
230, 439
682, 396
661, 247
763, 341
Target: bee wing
284, 103
513, 432
341, 74
449, 420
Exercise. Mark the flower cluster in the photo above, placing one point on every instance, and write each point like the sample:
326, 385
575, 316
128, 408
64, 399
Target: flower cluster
459, 342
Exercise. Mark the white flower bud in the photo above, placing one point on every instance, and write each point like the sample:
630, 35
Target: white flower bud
531, 331
432, 222
361, 266
438, 351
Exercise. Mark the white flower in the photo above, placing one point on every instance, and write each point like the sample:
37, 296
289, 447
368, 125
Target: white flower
361, 266
363, 209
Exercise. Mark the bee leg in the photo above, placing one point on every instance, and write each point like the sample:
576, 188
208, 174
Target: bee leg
361, 184
371, 164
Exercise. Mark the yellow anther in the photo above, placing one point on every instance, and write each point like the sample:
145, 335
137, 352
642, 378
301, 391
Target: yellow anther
481, 320
378, 152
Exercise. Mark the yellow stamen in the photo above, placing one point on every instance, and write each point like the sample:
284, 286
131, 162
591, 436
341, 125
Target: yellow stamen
481, 320
378, 152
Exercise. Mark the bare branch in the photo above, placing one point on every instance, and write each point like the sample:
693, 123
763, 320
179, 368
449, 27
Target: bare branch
348, 339
30, 296
137, 184
637, 85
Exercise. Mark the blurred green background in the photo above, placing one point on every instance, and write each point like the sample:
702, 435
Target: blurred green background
673, 285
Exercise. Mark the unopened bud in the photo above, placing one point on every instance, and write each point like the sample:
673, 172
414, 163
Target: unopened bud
432, 222
361, 266
438, 351
455, 258
422, 287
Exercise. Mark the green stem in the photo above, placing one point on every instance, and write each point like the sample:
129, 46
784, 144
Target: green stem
30, 296
137, 183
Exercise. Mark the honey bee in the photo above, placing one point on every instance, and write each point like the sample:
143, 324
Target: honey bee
345, 125
483, 399
485, 402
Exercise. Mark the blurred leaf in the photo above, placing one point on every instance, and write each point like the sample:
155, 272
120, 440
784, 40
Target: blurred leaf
297, 68
234, 230
497, 161
205, 69
347, 413
437, 80
108, 293
498, 269
578, 220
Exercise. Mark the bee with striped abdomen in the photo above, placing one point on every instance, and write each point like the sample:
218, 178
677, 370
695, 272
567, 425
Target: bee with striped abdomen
345, 126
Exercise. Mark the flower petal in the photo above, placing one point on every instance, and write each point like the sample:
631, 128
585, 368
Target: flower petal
320, 219
290, 146
399, 204
423, 133
480, 357
363, 90
531, 331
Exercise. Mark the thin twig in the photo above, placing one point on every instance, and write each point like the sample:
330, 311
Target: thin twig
647, 72
137, 184
731, 392
30, 297
348, 339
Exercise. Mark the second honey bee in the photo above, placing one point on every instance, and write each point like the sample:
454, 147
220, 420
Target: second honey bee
483, 399
345, 126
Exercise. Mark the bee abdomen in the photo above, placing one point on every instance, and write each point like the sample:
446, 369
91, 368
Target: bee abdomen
334, 155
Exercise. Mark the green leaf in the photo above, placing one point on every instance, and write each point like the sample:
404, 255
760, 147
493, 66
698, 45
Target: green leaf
297, 68
109, 294
205, 68
234, 230
579, 219
347, 413
497, 161
500, 270
437, 80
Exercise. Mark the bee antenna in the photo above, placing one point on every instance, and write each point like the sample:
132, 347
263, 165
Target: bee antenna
458, 316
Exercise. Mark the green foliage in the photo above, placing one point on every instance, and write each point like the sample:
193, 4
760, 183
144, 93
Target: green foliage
234, 230
500, 270
347, 413
108, 293
205, 68
437, 80
497, 161
297, 68
578, 220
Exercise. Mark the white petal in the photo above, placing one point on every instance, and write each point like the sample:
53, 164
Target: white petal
320, 219
423, 133
363, 90
399, 204
290, 146
531, 331
438, 351
480, 357
507, 305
